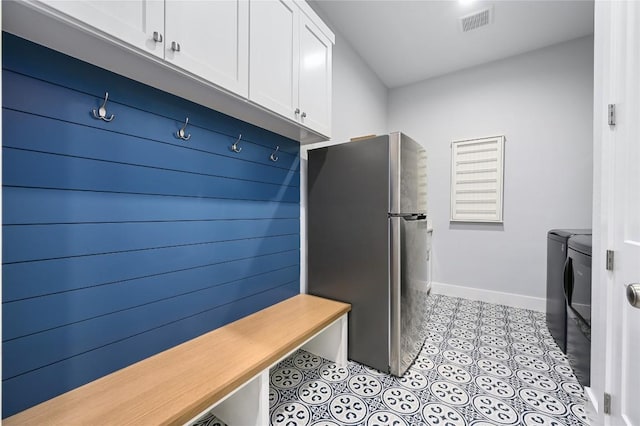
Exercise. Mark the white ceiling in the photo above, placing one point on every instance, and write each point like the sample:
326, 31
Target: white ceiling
408, 41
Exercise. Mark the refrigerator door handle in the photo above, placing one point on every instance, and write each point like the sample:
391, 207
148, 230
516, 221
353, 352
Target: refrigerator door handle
568, 280
417, 216
410, 216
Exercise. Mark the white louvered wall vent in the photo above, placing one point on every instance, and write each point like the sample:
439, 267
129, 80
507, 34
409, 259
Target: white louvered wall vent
476, 20
422, 181
477, 171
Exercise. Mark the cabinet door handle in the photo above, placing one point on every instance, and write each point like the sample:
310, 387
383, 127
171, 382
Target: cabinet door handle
297, 111
304, 114
175, 46
157, 37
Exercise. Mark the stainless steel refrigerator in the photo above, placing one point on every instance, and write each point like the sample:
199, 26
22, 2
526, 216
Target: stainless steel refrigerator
367, 243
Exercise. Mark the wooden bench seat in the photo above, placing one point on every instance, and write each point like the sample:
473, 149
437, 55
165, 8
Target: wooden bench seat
181, 383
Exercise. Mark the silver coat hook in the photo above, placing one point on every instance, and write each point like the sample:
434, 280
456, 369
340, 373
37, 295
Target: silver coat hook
235, 147
182, 134
101, 114
273, 157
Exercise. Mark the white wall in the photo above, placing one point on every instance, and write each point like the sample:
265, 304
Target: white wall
542, 102
359, 107
359, 98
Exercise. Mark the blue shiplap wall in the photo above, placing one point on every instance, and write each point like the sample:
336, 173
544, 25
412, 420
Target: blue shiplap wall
121, 240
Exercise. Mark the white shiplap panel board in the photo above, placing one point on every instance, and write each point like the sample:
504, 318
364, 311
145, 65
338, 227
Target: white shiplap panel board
477, 172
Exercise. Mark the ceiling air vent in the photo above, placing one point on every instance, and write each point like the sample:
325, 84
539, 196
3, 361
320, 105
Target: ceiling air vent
476, 20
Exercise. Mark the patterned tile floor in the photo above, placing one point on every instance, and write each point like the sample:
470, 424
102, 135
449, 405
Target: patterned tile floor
481, 364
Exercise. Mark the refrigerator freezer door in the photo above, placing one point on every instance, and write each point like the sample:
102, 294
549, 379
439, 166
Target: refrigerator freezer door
407, 175
348, 240
409, 287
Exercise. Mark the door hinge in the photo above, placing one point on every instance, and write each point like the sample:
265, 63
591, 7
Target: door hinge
611, 114
609, 260
607, 404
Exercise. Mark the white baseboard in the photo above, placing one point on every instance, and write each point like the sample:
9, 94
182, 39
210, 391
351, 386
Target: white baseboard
490, 296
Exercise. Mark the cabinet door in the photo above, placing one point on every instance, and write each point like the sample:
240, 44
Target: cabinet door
273, 56
132, 21
315, 78
213, 40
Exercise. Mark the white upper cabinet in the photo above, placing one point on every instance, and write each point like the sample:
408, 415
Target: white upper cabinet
139, 23
290, 64
267, 62
274, 55
211, 40
314, 90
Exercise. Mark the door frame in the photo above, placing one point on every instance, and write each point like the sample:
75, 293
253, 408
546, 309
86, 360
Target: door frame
602, 205
610, 56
